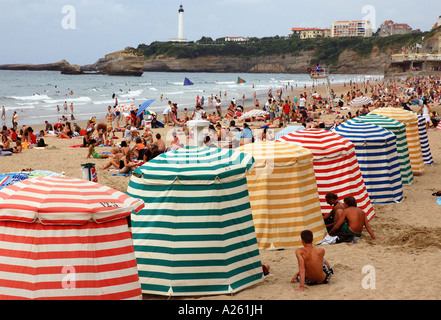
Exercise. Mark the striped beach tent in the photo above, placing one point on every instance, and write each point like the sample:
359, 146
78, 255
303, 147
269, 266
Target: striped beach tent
424, 140
410, 119
195, 235
283, 194
335, 166
376, 150
399, 129
66, 238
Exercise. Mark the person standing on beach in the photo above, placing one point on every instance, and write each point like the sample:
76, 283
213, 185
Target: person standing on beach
71, 108
65, 106
219, 107
15, 121
3, 113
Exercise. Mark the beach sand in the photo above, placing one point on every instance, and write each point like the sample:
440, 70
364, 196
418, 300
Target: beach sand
403, 266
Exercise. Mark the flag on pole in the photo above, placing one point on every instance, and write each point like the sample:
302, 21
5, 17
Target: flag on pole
240, 80
187, 82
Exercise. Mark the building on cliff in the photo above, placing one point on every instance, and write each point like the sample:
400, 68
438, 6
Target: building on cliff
360, 28
180, 37
389, 28
308, 33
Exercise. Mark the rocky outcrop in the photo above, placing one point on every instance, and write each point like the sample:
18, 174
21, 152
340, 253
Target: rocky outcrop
122, 63
57, 66
349, 63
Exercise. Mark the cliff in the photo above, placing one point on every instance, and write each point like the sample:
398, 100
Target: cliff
349, 63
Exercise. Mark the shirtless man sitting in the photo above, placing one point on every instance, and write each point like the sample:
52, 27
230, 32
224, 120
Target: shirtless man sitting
313, 268
160, 143
351, 220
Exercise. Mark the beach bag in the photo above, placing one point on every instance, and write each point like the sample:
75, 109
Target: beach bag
41, 143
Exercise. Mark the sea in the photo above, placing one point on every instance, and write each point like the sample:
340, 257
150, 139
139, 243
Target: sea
35, 95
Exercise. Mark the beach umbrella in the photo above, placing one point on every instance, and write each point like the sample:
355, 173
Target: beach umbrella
360, 101
196, 235
410, 119
126, 108
376, 151
144, 106
335, 166
66, 238
399, 129
283, 194
424, 140
254, 113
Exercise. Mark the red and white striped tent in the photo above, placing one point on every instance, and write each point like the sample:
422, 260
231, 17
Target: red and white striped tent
335, 165
66, 238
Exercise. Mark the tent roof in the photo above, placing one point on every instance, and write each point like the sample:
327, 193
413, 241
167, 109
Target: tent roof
322, 143
196, 165
382, 121
363, 132
397, 114
281, 154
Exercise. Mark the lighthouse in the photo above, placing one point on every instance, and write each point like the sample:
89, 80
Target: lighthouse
180, 37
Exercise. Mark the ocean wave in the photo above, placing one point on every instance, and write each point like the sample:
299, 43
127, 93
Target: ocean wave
35, 97
70, 100
134, 93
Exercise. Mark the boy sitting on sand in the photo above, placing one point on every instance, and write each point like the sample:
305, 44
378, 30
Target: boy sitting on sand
313, 268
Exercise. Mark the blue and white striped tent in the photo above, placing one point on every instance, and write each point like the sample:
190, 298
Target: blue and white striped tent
424, 140
376, 151
399, 129
195, 235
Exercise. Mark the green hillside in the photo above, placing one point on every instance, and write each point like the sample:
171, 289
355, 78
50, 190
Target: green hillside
327, 50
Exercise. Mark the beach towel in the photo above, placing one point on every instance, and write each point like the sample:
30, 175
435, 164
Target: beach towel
438, 200
122, 174
14, 177
76, 146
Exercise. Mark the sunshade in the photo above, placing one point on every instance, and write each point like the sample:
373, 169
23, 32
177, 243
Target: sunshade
399, 129
335, 165
360, 101
283, 194
376, 150
195, 235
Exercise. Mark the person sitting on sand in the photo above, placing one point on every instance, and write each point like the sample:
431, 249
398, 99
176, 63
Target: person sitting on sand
138, 149
96, 155
151, 153
313, 268
350, 221
129, 165
159, 143
67, 132
337, 207
101, 129
114, 160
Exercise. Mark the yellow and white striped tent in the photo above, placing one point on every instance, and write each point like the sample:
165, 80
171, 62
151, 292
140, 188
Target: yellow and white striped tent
283, 194
410, 119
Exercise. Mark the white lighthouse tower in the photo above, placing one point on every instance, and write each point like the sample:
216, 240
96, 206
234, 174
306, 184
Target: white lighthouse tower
180, 37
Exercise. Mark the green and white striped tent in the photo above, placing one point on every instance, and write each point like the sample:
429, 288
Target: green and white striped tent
399, 129
195, 235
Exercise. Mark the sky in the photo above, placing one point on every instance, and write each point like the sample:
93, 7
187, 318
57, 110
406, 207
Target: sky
83, 31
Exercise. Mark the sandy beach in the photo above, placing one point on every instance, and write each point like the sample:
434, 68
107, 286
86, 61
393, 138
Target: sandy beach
403, 266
